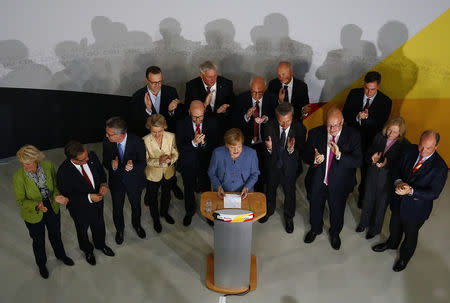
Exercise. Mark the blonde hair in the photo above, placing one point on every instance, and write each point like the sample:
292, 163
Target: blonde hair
233, 136
400, 122
29, 153
156, 120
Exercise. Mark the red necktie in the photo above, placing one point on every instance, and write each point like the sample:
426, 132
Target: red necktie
197, 129
256, 125
86, 176
418, 165
367, 104
330, 159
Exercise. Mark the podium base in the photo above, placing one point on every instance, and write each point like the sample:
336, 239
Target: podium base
210, 277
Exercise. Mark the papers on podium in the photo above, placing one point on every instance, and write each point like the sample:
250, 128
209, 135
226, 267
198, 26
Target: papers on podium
232, 201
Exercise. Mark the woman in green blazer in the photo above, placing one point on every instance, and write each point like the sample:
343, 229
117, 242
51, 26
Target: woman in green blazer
38, 197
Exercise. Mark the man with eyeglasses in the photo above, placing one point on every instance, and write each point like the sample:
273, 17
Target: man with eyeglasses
124, 158
253, 109
367, 109
156, 98
196, 139
333, 152
82, 179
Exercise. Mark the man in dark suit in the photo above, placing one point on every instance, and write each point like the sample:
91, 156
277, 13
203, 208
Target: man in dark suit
124, 158
333, 152
252, 110
284, 141
290, 89
196, 138
156, 98
367, 109
221, 94
421, 178
82, 179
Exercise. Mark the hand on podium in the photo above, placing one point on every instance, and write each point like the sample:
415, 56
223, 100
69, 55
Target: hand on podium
220, 192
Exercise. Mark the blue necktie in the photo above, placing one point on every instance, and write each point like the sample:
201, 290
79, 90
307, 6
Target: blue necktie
281, 147
119, 147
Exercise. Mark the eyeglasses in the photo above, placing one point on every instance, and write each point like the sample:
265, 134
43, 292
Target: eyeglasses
155, 82
197, 117
335, 126
257, 93
110, 135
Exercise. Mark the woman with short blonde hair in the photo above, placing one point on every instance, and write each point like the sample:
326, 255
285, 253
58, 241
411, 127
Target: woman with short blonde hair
382, 158
38, 197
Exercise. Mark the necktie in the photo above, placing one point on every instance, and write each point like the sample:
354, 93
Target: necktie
208, 89
330, 159
256, 125
197, 129
119, 147
418, 165
86, 176
286, 93
367, 104
281, 147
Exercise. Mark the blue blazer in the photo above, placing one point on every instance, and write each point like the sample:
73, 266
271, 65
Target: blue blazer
233, 175
427, 183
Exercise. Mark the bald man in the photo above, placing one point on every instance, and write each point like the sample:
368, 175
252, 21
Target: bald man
290, 89
252, 110
196, 139
420, 181
333, 152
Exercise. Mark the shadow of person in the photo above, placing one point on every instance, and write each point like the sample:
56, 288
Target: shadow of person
231, 67
343, 66
72, 55
399, 73
276, 28
220, 44
113, 53
22, 71
259, 57
172, 53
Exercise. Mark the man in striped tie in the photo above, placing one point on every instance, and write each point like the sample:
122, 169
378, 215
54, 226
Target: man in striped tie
420, 180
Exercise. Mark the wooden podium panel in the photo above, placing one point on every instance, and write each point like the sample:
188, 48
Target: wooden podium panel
255, 202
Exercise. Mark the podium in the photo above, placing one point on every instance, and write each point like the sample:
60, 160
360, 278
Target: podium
232, 269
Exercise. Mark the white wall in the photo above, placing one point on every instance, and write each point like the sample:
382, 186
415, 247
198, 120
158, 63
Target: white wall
113, 60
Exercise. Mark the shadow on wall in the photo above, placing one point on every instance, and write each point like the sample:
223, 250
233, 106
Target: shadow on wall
343, 66
399, 73
22, 71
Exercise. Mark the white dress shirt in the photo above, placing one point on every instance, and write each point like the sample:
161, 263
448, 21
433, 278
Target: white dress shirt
88, 173
213, 99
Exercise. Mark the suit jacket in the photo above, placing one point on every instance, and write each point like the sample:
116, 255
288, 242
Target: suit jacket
392, 155
192, 158
154, 172
233, 176
243, 103
379, 112
134, 180
74, 186
299, 97
342, 173
427, 183
138, 116
195, 90
28, 194
290, 161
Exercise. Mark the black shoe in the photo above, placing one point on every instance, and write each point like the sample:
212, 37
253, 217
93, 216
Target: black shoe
289, 225
140, 231
177, 192
67, 261
381, 247
400, 265
43, 271
107, 251
210, 222
335, 242
360, 229
157, 226
264, 219
119, 237
187, 220
370, 235
310, 237
169, 219
90, 258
